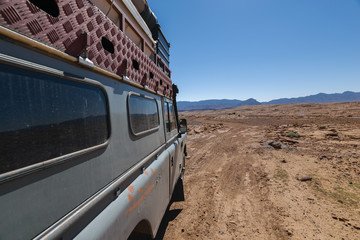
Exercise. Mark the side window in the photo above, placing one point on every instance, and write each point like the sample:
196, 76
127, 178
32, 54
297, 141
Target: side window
172, 117
170, 120
44, 117
167, 117
143, 114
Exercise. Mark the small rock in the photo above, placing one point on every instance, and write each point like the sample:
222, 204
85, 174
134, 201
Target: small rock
283, 161
332, 133
267, 146
221, 233
343, 219
305, 178
182, 230
323, 157
283, 146
322, 127
288, 233
275, 145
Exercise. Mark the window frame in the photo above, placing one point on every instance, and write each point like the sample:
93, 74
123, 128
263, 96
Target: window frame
167, 121
155, 129
166, 117
174, 122
37, 68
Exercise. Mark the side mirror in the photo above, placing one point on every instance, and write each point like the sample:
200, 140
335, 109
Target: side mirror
183, 126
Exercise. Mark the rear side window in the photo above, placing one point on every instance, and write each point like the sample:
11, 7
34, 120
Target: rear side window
44, 117
170, 120
172, 117
143, 114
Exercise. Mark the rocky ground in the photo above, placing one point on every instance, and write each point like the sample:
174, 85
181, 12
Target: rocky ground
270, 172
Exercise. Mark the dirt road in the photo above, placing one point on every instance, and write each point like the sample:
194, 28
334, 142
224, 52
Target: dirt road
271, 172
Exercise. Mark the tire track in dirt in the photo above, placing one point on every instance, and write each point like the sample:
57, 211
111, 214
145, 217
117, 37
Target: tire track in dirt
226, 190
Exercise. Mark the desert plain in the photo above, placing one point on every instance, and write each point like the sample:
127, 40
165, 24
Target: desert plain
270, 172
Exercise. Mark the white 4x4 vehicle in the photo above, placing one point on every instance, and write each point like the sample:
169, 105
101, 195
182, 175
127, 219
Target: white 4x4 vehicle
90, 142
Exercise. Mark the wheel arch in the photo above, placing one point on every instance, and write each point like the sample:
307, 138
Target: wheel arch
142, 230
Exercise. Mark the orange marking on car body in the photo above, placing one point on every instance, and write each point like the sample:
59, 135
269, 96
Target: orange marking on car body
140, 190
135, 205
131, 188
152, 171
146, 173
130, 197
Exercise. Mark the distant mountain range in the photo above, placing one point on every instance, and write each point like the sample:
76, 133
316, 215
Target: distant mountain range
214, 104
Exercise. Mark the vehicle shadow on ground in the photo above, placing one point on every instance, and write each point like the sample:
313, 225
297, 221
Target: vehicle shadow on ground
168, 217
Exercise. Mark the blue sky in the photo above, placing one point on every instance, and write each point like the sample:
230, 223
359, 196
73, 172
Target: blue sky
262, 49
